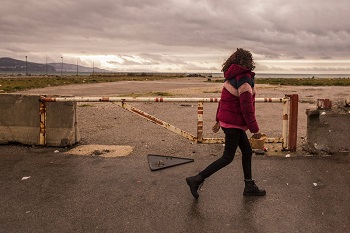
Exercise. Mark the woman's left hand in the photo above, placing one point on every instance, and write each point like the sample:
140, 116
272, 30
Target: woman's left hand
216, 127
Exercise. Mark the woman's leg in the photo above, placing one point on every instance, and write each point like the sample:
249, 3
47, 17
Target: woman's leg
247, 152
250, 188
232, 139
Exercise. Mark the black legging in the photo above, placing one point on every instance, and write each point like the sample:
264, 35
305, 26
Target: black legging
233, 138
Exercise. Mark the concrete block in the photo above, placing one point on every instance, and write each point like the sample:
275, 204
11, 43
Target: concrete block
61, 124
328, 131
19, 121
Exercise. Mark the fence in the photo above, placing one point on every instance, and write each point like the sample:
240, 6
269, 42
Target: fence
289, 128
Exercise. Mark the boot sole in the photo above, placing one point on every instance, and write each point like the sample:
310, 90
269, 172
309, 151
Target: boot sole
254, 194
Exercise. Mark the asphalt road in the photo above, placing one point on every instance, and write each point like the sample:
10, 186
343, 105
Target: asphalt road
44, 191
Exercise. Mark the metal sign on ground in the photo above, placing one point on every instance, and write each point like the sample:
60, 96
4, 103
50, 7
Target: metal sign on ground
289, 115
158, 162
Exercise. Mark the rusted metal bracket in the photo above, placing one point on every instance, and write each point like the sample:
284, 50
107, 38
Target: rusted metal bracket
197, 139
157, 121
42, 116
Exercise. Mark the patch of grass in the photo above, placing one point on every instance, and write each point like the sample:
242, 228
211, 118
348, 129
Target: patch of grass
305, 81
209, 92
301, 81
148, 94
13, 84
86, 105
161, 94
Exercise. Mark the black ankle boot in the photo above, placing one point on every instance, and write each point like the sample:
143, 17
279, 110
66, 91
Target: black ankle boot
195, 182
252, 190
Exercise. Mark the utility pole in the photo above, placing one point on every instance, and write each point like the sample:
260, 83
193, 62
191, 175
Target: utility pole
26, 67
77, 69
62, 66
46, 67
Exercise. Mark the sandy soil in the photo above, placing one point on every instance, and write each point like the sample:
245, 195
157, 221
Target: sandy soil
108, 124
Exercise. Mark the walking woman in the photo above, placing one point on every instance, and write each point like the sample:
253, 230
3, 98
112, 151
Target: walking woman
235, 115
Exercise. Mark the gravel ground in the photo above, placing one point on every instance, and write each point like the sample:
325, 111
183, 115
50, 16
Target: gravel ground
108, 124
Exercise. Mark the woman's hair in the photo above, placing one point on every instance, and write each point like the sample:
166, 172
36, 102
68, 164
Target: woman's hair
241, 57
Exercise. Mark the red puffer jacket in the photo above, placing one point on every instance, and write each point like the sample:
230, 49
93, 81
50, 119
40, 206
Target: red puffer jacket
238, 110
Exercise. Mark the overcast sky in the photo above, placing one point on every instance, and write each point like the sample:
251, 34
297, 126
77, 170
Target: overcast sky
285, 36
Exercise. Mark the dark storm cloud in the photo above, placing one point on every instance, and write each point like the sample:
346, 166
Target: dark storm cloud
173, 31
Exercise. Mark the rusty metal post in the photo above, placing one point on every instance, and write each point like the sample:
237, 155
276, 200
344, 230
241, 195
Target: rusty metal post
200, 123
293, 122
42, 112
285, 126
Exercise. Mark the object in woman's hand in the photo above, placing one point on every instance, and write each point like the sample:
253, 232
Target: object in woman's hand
257, 135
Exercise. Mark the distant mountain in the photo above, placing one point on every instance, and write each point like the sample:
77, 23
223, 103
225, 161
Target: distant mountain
12, 65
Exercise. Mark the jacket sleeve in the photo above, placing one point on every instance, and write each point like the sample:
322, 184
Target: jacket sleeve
246, 100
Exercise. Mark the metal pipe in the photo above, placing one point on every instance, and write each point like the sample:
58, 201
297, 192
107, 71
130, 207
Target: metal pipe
148, 99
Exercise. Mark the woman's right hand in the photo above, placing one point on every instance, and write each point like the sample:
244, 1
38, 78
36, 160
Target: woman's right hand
257, 135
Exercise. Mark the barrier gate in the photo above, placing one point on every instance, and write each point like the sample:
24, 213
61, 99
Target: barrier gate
289, 126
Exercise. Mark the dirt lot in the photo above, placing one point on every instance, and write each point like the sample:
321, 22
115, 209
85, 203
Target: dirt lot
107, 124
